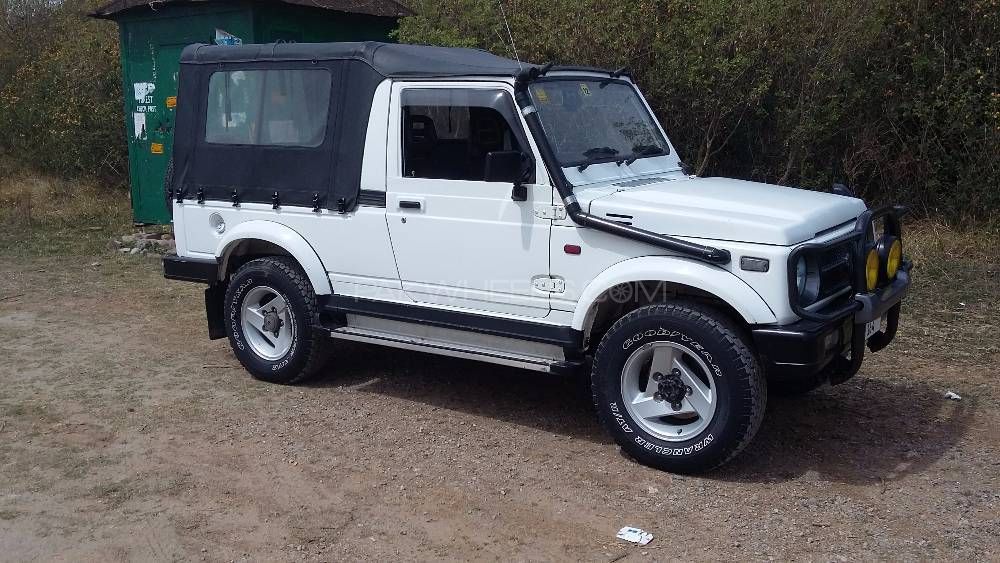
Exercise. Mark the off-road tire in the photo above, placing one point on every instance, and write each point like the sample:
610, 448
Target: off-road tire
309, 349
741, 387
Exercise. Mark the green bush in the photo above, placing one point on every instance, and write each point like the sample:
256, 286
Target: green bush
899, 100
60, 90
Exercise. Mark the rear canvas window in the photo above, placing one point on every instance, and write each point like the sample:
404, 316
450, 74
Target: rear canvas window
283, 107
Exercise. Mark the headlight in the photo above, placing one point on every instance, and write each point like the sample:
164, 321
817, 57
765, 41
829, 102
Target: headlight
807, 280
872, 269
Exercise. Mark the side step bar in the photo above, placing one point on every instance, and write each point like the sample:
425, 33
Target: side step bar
452, 349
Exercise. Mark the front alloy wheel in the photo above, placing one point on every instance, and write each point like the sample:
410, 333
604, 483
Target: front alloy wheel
669, 391
678, 387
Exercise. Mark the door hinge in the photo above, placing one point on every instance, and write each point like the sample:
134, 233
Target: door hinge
549, 285
554, 212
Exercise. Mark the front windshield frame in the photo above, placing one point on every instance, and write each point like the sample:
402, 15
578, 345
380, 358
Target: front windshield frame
652, 123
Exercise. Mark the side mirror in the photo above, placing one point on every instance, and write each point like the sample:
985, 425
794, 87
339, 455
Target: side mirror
509, 166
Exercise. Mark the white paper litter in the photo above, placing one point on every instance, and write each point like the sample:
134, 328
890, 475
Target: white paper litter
635, 535
953, 396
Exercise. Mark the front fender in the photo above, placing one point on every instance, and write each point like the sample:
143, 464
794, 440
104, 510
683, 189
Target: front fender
286, 238
674, 269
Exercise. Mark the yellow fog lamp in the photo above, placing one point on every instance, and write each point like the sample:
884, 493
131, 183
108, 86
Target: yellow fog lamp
872, 269
892, 257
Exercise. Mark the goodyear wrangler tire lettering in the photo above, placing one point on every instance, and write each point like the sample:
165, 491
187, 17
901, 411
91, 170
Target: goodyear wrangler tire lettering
709, 346
234, 315
282, 277
697, 447
616, 412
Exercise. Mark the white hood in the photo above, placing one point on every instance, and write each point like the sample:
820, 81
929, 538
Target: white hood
722, 209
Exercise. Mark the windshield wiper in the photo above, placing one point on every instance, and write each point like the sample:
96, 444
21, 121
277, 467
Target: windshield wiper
639, 151
596, 152
614, 75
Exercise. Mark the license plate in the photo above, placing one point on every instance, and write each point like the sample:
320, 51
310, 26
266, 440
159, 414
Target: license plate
874, 327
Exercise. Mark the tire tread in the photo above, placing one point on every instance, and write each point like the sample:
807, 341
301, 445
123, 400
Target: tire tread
317, 352
698, 313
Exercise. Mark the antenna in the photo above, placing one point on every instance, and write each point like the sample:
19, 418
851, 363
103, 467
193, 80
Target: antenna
511, 35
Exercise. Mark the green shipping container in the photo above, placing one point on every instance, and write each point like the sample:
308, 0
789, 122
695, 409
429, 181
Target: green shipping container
152, 35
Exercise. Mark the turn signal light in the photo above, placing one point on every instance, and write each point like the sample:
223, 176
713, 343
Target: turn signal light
872, 269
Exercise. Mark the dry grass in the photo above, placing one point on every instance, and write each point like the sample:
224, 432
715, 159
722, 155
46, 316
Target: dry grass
46, 216
953, 308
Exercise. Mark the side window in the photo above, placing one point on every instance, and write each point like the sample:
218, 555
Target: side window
286, 107
447, 133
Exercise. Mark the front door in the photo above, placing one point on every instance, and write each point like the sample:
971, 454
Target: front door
460, 240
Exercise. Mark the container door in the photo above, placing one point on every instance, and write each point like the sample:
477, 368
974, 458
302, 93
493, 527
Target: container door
138, 100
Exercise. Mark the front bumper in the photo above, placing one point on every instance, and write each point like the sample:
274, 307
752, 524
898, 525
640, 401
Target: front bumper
808, 347
833, 340
803, 348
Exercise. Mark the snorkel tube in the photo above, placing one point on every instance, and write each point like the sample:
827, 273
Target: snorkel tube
565, 189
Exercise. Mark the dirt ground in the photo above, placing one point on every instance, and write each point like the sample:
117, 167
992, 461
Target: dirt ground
126, 435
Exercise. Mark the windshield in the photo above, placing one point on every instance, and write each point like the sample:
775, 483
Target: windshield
588, 121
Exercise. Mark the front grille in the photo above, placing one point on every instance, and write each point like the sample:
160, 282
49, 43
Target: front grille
836, 270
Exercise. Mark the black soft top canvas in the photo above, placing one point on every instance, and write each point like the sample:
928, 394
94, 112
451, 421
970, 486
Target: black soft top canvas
391, 60
328, 175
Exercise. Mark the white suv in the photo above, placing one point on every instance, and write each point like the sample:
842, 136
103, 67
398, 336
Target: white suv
454, 202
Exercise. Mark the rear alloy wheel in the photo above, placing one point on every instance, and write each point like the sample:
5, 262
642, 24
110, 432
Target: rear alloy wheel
677, 387
270, 313
268, 323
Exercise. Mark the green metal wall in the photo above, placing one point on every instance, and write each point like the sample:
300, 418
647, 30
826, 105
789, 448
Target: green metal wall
151, 44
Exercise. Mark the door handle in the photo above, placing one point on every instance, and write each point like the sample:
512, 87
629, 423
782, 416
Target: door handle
407, 204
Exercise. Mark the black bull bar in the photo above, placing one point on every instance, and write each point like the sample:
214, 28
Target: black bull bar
866, 305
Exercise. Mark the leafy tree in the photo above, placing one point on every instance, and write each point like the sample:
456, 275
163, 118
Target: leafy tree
60, 90
899, 99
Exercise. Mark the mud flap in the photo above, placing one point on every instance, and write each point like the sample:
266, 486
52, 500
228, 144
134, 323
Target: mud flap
215, 295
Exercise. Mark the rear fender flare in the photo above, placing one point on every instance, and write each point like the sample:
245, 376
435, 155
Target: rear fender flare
281, 236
